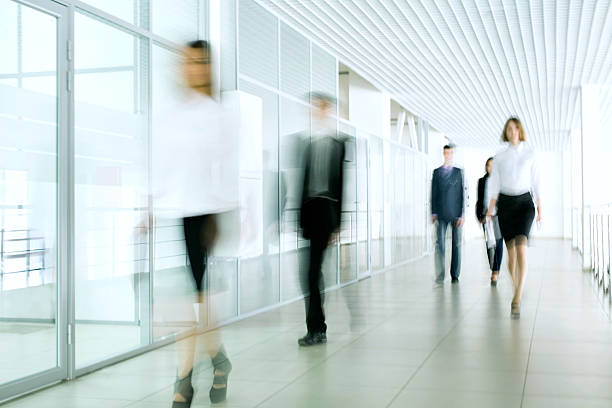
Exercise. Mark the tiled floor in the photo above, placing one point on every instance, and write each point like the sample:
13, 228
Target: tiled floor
397, 340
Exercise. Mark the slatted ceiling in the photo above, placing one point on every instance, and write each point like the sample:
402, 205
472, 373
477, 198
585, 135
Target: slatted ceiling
465, 66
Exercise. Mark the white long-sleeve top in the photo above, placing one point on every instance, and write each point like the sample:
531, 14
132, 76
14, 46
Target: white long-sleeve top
195, 158
515, 171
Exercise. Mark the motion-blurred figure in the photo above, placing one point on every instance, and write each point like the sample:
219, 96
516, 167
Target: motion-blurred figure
195, 179
514, 177
321, 206
447, 204
495, 252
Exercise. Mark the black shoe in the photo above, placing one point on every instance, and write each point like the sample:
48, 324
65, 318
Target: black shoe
312, 339
455, 280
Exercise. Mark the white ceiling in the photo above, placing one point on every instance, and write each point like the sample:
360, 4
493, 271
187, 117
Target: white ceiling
466, 66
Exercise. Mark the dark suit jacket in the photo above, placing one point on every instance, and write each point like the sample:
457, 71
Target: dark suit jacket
480, 204
323, 212
447, 194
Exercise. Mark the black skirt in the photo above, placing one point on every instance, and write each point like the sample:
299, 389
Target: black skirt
515, 214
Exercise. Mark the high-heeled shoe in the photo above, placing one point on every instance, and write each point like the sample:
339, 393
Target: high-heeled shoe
184, 388
515, 310
221, 364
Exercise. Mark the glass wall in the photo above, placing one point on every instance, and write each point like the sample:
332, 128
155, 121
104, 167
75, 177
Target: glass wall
111, 168
130, 265
29, 225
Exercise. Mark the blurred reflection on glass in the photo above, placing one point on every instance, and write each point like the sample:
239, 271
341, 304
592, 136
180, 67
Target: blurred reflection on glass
295, 134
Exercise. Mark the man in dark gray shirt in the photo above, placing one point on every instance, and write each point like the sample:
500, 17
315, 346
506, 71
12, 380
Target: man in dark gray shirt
320, 211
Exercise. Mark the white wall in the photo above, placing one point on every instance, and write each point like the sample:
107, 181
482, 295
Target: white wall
435, 143
551, 173
567, 194
369, 108
343, 94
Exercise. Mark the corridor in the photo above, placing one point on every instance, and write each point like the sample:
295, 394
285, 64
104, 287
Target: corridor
397, 340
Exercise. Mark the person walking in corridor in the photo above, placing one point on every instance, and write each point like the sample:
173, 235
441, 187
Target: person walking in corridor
513, 185
447, 206
321, 207
195, 178
495, 251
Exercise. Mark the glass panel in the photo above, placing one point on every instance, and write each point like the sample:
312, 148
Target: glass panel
324, 71
9, 38
295, 132
99, 46
295, 62
348, 228
376, 196
28, 199
176, 20
38, 52
258, 43
111, 145
362, 205
228, 45
259, 268
124, 9
389, 186
45, 84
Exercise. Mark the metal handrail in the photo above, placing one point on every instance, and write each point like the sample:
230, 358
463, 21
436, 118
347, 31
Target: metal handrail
600, 254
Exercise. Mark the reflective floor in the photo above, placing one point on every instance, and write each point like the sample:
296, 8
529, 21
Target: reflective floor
397, 340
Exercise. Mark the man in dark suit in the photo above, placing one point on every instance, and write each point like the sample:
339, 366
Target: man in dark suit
447, 205
321, 207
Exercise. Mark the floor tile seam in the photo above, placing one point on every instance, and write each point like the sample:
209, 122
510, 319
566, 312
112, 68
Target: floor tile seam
259, 343
467, 391
450, 330
151, 394
573, 395
295, 380
569, 374
533, 333
316, 365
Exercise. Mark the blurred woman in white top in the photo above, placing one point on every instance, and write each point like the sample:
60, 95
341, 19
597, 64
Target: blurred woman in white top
195, 177
513, 185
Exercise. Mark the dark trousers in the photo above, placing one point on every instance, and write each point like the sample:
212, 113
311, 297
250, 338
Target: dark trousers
317, 220
315, 317
200, 232
455, 268
498, 255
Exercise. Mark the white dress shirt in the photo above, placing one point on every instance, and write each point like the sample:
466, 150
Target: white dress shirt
514, 172
195, 158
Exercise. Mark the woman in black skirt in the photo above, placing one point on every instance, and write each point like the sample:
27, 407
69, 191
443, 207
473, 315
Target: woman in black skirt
513, 185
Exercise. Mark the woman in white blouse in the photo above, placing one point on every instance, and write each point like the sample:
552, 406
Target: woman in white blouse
513, 185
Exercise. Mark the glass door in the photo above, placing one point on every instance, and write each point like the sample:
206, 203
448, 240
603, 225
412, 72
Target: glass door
33, 194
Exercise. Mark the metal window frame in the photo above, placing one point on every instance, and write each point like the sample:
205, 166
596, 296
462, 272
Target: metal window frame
63, 74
